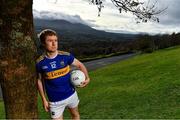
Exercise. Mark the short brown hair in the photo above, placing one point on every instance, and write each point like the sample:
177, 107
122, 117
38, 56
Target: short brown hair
43, 34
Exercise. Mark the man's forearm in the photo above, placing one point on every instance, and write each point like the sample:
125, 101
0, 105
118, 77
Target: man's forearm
41, 90
83, 68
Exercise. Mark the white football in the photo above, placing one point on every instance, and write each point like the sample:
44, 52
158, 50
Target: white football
77, 77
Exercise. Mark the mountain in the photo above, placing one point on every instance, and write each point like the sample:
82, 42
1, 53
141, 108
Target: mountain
78, 31
63, 25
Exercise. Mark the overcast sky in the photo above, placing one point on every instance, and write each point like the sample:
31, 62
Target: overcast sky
110, 20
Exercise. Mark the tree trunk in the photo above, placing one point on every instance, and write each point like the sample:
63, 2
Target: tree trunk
17, 52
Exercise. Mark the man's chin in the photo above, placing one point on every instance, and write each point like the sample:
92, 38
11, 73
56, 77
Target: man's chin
52, 51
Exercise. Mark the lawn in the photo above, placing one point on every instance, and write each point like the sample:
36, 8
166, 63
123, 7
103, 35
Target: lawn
144, 87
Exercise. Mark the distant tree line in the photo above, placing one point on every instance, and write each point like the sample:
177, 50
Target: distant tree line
148, 44
143, 43
99, 47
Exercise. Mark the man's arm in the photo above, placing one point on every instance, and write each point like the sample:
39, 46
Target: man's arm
81, 66
42, 92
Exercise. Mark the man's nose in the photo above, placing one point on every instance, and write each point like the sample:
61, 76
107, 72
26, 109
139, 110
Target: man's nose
53, 43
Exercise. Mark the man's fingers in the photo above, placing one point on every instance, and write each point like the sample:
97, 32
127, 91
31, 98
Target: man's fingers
46, 107
83, 84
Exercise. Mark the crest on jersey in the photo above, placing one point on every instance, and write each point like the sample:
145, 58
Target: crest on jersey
62, 63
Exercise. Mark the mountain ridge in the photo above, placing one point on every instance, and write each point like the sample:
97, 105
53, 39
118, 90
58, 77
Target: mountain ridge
68, 29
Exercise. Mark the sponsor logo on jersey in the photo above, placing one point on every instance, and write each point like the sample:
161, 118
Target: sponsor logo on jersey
44, 67
57, 73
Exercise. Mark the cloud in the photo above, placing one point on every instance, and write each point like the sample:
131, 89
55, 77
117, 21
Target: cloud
171, 16
60, 16
80, 11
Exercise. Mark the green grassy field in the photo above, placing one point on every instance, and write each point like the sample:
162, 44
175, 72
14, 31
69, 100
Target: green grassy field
144, 87
2, 116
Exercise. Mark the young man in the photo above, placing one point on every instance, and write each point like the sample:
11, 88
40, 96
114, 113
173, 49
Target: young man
53, 73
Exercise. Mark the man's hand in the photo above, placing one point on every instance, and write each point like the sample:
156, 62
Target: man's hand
46, 105
85, 83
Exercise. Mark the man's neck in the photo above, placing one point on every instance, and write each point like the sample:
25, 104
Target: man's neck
51, 54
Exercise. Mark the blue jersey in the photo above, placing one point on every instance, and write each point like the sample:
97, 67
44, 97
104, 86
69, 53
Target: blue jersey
56, 75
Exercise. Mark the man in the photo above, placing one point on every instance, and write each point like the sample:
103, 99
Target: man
53, 73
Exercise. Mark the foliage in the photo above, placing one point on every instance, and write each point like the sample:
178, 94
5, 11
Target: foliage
91, 47
143, 43
147, 43
142, 12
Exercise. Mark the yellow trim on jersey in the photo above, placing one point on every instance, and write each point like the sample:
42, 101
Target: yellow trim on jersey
40, 58
63, 53
57, 73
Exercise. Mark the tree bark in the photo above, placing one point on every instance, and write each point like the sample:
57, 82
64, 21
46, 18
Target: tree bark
17, 51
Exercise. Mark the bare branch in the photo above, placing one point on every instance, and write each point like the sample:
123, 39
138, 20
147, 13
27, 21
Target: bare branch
99, 4
142, 12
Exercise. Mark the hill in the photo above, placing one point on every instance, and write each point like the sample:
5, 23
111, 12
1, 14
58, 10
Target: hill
78, 31
145, 87
76, 38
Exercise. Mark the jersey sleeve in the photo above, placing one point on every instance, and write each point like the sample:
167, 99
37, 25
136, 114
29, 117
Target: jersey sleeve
70, 59
38, 68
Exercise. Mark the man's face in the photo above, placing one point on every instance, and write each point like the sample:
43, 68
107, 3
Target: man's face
51, 43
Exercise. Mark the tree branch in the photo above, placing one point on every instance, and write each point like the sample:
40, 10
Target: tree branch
143, 13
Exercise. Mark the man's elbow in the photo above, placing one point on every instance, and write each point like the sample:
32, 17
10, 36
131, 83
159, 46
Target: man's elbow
80, 65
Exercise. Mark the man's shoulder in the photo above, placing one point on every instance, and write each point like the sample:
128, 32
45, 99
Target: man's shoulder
40, 58
63, 53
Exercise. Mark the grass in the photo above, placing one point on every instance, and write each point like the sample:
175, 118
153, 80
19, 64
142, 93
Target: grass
2, 115
144, 87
